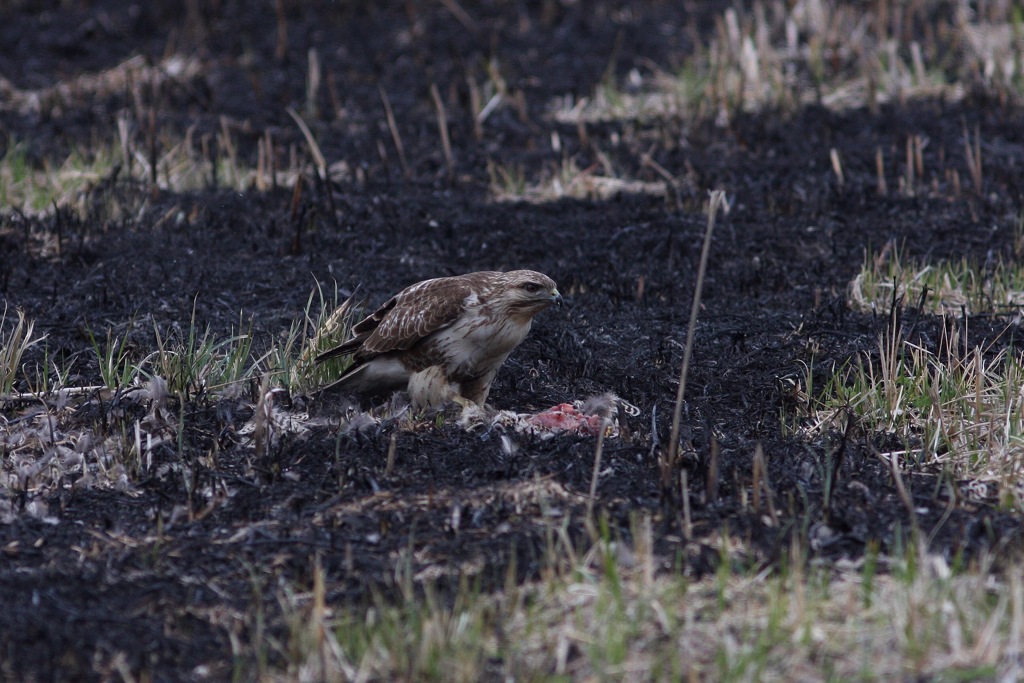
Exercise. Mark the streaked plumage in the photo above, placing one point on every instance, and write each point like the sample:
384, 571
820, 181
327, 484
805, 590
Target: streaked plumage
445, 338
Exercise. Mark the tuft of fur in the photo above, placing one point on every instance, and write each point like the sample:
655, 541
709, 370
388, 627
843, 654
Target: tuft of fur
603, 405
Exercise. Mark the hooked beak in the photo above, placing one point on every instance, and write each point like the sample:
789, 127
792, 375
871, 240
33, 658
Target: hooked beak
556, 298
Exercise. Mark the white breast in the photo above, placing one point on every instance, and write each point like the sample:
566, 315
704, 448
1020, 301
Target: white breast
477, 343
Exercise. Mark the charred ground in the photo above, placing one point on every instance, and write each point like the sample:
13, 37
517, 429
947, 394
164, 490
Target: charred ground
126, 578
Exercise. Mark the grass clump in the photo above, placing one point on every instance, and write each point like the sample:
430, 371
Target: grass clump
37, 187
325, 323
142, 400
948, 406
178, 164
831, 53
567, 180
953, 408
195, 362
13, 345
948, 288
959, 411
610, 611
117, 371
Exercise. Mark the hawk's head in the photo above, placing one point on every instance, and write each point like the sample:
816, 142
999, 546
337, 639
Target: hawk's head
526, 292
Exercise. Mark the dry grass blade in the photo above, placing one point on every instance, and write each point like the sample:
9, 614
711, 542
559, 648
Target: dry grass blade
314, 149
263, 422
462, 15
837, 167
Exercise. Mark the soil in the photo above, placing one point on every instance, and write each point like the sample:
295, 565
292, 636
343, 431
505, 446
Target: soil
160, 581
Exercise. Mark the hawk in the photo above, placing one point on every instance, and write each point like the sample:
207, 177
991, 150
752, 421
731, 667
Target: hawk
444, 339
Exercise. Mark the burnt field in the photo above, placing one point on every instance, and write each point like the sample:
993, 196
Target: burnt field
176, 181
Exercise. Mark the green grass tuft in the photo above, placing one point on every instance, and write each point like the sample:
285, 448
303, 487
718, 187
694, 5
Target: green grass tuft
12, 348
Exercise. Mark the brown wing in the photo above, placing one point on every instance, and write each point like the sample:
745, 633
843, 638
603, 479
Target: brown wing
360, 331
419, 311
411, 315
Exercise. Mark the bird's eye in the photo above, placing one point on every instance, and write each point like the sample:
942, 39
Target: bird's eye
532, 287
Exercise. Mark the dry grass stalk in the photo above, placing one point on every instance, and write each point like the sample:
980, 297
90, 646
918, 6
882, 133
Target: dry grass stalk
389, 467
761, 482
296, 199
442, 127
475, 108
281, 48
263, 421
901, 489
271, 158
261, 166
684, 486
883, 188
711, 482
462, 15
717, 198
12, 349
152, 146
227, 144
595, 475
312, 83
395, 135
973, 156
908, 176
314, 148
332, 92
837, 166
919, 145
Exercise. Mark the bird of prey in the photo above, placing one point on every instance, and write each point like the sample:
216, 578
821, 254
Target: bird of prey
444, 339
